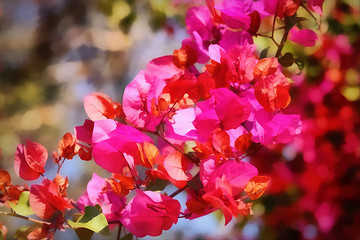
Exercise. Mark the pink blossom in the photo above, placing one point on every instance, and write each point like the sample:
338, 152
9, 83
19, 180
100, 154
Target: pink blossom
235, 13
237, 173
202, 31
224, 109
136, 103
304, 37
113, 144
279, 128
149, 213
163, 68
99, 191
230, 39
315, 6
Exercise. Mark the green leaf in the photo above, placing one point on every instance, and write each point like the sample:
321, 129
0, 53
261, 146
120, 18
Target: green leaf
287, 60
23, 205
93, 219
189, 145
84, 233
23, 231
264, 53
157, 185
300, 65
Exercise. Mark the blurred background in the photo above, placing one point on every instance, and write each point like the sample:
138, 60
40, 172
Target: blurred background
55, 52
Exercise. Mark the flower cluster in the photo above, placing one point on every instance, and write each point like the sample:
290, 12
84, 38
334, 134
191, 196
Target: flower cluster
191, 119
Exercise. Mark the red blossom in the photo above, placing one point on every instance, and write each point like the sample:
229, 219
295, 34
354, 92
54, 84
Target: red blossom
100, 106
47, 198
67, 146
30, 160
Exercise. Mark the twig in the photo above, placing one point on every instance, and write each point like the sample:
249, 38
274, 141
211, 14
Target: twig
25, 218
178, 191
119, 232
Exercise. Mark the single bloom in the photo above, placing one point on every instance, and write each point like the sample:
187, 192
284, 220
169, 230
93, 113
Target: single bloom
305, 37
47, 198
100, 191
149, 213
30, 160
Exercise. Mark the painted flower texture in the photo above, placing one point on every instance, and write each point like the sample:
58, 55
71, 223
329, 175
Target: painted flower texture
193, 119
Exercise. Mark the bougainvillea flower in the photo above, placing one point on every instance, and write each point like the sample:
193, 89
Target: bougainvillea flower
282, 8
224, 109
163, 68
119, 149
223, 198
99, 106
99, 191
315, 6
304, 37
230, 39
182, 91
185, 56
172, 167
220, 142
279, 128
137, 100
45, 199
272, 92
93, 132
149, 213
67, 147
242, 143
237, 173
202, 30
30, 160
233, 66
265, 67
257, 186
5, 179
235, 13
114, 145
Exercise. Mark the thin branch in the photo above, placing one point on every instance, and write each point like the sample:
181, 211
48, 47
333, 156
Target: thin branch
273, 26
25, 218
283, 40
119, 232
265, 36
276, 29
76, 206
178, 191
312, 15
114, 222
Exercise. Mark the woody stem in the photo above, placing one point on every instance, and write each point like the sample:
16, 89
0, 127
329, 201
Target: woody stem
25, 218
283, 40
178, 191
